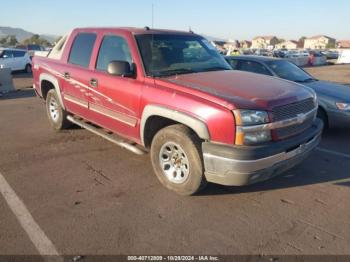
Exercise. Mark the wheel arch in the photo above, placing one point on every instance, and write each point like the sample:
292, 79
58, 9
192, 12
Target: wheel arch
48, 82
156, 117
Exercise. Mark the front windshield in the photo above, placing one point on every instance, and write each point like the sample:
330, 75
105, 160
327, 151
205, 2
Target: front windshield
289, 71
166, 55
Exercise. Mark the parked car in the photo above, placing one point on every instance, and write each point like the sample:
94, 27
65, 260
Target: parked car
317, 58
262, 52
333, 99
330, 54
172, 94
15, 59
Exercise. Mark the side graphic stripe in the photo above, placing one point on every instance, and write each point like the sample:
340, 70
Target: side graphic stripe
76, 100
114, 115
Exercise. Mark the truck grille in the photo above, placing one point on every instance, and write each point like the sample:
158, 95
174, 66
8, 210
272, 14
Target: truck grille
288, 131
290, 111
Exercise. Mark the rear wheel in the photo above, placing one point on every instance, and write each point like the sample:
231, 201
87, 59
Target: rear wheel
56, 114
177, 160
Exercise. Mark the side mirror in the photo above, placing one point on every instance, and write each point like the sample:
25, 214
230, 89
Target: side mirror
120, 68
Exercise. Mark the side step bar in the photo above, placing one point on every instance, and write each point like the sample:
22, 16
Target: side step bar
109, 137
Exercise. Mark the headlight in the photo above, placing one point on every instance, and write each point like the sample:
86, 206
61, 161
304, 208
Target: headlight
251, 118
343, 106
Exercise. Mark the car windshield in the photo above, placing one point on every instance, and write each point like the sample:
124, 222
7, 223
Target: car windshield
34, 47
166, 55
289, 71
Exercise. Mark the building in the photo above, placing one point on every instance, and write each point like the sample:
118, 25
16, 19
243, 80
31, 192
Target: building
291, 44
264, 42
245, 44
319, 42
343, 44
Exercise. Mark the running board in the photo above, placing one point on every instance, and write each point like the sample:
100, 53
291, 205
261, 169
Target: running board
109, 137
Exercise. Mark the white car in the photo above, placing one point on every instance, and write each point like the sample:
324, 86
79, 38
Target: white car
16, 59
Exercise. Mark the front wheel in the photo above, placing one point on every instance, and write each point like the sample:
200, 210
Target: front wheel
177, 160
28, 69
56, 114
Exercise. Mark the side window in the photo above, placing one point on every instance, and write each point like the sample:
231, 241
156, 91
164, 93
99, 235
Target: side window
233, 63
253, 67
19, 53
7, 54
113, 48
81, 50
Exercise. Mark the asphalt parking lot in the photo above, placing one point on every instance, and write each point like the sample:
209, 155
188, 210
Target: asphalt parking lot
90, 197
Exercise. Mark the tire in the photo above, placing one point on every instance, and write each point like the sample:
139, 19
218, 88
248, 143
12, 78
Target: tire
321, 114
28, 69
177, 160
56, 114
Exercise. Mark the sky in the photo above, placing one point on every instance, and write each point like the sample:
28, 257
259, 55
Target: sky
225, 19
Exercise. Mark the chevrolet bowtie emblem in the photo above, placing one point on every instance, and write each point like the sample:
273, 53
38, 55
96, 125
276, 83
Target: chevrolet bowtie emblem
301, 118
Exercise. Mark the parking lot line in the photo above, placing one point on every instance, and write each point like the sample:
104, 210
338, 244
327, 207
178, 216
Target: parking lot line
42, 243
332, 152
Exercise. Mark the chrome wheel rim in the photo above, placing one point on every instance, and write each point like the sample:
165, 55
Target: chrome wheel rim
53, 109
174, 163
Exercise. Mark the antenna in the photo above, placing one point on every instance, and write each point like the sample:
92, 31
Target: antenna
152, 15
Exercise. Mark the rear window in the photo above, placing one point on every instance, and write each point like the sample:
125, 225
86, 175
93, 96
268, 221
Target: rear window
81, 50
253, 67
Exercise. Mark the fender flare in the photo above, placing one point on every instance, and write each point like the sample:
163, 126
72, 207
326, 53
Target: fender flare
154, 110
54, 81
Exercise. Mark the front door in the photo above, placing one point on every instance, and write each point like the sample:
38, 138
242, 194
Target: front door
114, 100
7, 59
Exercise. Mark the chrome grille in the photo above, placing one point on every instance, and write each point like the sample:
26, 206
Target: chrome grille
288, 131
292, 110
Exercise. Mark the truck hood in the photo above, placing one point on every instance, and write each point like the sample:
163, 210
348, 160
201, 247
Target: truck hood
242, 89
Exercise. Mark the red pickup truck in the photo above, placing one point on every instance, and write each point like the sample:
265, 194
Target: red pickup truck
171, 94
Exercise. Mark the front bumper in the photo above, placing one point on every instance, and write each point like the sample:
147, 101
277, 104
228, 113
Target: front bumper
244, 165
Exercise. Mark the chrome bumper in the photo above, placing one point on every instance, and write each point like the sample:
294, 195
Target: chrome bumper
238, 172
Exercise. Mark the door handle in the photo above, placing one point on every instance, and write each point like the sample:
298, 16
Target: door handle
93, 82
66, 75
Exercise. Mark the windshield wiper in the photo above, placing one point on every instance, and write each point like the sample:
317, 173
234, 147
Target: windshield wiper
215, 68
174, 72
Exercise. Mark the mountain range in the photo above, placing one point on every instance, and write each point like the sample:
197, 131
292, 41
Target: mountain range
22, 34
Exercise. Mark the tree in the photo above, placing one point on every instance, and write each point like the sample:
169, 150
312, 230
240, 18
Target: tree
12, 41
36, 40
9, 40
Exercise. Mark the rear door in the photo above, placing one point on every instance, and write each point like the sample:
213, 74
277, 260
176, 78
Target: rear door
19, 59
76, 84
114, 101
